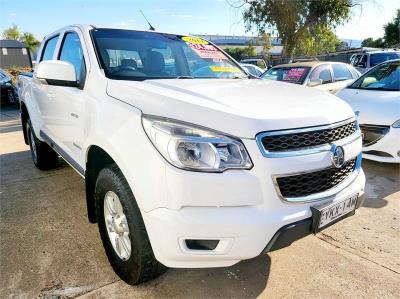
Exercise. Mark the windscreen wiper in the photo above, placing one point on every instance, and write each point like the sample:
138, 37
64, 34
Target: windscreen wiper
185, 77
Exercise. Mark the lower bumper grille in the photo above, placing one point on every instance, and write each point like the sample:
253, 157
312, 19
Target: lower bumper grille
305, 184
373, 133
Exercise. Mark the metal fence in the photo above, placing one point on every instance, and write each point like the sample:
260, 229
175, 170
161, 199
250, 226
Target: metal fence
340, 56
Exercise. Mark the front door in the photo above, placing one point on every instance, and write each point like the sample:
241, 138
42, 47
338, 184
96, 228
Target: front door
70, 103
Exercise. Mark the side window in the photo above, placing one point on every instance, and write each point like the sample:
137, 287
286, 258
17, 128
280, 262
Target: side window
71, 51
322, 72
363, 61
356, 59
341, 72
354, 72
49, 48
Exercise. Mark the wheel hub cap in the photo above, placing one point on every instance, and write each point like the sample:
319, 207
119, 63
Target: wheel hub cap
117, 225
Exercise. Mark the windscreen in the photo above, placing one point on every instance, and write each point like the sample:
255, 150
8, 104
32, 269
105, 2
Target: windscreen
383, 77
295, 75
141, 55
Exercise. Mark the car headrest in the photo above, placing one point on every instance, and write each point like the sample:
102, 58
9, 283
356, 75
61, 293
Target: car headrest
155, 62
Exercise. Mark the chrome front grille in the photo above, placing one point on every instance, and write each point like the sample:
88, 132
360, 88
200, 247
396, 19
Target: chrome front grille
314, 182
292, 140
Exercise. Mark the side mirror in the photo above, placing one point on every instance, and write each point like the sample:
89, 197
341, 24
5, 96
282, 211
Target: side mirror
57, 72
313, 83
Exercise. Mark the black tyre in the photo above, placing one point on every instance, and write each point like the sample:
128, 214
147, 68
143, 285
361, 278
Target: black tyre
122, 229
43, 156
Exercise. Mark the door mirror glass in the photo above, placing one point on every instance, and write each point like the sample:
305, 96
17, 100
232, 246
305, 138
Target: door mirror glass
315, 82
57, 72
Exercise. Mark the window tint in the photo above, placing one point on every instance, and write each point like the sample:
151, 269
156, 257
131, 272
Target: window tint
381, 57
71, 51
49, 48
322, 72
341, 72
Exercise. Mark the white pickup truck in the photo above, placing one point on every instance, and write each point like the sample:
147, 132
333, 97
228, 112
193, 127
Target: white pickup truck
187, 161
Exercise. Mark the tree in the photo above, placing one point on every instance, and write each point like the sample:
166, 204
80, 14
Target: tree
296, 20
266, 42
250, 51
374, 43
392, 31
239, 53
30, 41
27, 38
236, 53
12, 33
322, 41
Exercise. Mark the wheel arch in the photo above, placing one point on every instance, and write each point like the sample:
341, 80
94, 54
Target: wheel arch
97, 158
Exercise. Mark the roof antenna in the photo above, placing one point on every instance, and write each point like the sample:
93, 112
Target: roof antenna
150, 26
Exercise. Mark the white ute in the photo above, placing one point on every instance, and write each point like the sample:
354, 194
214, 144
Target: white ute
187, 161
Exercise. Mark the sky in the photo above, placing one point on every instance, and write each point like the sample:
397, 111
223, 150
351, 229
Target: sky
176, 16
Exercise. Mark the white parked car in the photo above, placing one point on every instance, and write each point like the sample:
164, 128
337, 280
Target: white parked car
325, 75
252, 69
187, 161
376, 97
366, 60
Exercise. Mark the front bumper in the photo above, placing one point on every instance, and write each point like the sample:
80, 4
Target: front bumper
386, 149
243, 231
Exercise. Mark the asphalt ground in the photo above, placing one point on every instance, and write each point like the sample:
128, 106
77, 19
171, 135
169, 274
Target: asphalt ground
48, 249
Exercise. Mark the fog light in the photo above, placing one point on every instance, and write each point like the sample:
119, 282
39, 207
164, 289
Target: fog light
201, 244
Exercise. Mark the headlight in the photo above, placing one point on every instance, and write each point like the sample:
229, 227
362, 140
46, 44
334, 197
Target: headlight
396, 124
190, 147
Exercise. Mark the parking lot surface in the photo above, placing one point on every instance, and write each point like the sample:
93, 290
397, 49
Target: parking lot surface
48, 247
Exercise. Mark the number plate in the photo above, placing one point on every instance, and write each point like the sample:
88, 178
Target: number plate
333, 212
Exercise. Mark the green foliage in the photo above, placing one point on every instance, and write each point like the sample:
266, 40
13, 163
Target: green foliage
30, 41
238, 53
373, 43
27, 38
296, 20
392, 32
266, 42
12, 33
323, 40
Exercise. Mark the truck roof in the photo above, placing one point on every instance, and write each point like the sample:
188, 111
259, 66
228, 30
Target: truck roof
86, 27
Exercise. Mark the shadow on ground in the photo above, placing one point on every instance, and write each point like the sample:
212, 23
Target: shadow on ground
383, 179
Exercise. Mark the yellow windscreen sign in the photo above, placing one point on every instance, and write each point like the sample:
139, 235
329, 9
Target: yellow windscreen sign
194, 40
224, 69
